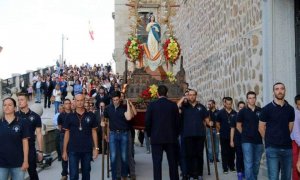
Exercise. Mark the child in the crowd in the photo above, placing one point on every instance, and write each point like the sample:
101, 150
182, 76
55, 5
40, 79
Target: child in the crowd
30, 91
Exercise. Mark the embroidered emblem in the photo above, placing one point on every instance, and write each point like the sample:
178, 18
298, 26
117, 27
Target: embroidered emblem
16, 128
87, 119
31, 118
257, 113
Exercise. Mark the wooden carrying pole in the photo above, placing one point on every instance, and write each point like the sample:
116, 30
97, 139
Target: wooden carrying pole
214, 152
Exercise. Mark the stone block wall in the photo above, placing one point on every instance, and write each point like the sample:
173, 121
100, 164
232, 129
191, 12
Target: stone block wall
221, 43
122, 31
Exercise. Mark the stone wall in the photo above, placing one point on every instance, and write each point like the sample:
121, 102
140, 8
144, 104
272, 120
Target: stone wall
221, 43
122, 30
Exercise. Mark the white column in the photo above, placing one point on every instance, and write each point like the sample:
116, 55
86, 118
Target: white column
0, 89
17, 81
278, 47
30, 75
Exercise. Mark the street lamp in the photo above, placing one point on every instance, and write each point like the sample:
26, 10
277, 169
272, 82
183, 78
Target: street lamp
62, 47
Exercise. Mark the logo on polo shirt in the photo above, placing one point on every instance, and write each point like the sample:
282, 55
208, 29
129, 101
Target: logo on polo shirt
31, 118
199, 108
16, 128
87, 119
257, 113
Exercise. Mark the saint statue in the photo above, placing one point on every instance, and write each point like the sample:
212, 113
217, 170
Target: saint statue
153, 59
153, 36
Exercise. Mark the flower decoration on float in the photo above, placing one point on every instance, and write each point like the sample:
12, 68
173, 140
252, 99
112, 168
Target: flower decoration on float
148, 94
171, 49
171, 77
133, 49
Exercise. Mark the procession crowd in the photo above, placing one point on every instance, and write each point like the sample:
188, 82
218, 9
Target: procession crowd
98, 120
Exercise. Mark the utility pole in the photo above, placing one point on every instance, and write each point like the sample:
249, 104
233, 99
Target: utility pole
62, 48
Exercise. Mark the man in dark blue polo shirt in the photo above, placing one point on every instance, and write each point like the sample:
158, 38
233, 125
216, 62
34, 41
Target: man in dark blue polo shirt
224, 118
275, 126
213, 112
80, 137
60, 122
236, 143
162, 126
118, 116
194, 117
247, 125
35, 128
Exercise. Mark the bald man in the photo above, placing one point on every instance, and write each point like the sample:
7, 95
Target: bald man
80, 140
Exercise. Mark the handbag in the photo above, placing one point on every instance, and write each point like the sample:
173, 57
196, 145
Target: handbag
52, 99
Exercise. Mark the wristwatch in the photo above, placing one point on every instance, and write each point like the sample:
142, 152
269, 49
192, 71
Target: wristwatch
97, 148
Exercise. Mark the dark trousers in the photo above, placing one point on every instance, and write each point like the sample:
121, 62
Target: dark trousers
182, 156
194, 155
32, 163
239, 158
57, 143
85, 159
47, 101
171, 150
64, 164
228, 154
100, 138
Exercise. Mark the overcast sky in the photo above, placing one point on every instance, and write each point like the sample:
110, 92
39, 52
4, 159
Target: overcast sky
31, 33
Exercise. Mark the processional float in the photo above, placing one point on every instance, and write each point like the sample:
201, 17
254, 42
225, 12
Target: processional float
152, 55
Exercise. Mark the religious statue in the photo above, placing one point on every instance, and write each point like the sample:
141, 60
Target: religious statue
153, 36
153, 54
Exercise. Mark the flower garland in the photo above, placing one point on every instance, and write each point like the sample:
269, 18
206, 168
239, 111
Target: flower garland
133, 49
171, 50
148, 94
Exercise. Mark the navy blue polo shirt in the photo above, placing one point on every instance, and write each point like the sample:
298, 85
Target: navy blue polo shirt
237, 135
34, 121
81, 139
213, 117
11, 137
225, 118
117, 120
250, 121
61, 120
277, 119
193, 120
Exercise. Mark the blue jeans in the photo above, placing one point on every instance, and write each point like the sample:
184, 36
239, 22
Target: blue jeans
56, 106
252, 156
38, 95
216, 142
279, 160
118, 143
16, 173
64, 164
85, 158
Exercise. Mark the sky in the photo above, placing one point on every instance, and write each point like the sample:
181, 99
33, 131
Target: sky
31, 33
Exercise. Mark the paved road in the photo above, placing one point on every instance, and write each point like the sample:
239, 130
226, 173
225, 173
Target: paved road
143, 169
143, 161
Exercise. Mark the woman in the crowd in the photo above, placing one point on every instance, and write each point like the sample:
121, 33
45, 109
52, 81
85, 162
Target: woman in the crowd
57, 94
14, 134
77, 87
85, 93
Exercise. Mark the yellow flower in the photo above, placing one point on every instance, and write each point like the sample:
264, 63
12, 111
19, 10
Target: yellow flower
153, 91
171, 77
